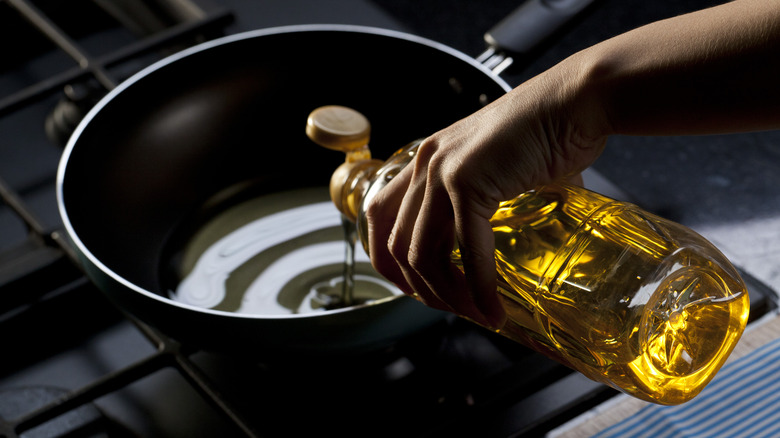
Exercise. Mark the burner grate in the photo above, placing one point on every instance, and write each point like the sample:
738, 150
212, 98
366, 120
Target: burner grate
206, 26
40, 283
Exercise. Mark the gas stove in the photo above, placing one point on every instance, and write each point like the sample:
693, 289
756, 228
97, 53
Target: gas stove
76, 365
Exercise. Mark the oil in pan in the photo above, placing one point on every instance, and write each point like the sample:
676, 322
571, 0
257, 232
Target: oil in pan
276, 254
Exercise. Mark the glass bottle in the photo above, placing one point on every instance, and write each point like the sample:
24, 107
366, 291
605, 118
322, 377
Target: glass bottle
623, 296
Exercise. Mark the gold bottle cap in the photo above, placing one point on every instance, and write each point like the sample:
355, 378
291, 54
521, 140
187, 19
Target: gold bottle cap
338, 127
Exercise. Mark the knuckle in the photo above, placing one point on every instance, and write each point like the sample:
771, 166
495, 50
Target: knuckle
417, 260
397, 247
431, 159
373, 210
441, 167
428, 147
376, 208
428, 255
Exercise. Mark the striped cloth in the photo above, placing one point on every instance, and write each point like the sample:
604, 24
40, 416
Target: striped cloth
743, 400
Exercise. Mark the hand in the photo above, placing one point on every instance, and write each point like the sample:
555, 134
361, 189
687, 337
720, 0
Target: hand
683, 75
454, 186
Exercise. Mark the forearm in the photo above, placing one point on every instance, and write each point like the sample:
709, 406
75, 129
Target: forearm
712, 71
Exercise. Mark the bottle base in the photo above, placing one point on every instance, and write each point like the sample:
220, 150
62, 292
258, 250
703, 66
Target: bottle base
696, 318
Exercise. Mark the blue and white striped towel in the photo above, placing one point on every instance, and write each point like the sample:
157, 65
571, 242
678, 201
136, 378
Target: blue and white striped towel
742, 401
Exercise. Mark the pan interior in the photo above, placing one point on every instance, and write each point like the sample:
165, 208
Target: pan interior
157, 155
278, 254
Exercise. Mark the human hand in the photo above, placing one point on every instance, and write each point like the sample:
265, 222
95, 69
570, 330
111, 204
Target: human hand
682, 75
447, 195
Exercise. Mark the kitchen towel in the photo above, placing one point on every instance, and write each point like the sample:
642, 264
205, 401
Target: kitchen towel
743, 400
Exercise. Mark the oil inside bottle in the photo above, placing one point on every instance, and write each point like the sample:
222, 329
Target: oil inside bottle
622, 296
277, 254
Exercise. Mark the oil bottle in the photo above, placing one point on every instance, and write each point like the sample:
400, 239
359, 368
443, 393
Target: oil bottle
623, 296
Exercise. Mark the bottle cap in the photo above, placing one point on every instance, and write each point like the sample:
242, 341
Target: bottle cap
338, 127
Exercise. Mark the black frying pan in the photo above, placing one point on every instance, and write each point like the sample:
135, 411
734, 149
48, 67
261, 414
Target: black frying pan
179, 136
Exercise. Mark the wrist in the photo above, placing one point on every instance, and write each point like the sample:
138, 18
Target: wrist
590, 107
577, 104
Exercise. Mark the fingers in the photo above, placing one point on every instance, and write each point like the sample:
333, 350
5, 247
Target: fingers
454, 186
381, 218
411, 246
477, 246
392, 219
430, 257
412, 230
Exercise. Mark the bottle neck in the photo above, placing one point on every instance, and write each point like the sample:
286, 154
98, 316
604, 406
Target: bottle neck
349, 183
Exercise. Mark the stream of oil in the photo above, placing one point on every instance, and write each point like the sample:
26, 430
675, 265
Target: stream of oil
278, 254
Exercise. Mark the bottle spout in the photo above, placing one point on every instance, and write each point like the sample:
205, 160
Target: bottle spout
342, 129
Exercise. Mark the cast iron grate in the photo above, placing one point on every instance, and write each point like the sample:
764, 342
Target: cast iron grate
38, 272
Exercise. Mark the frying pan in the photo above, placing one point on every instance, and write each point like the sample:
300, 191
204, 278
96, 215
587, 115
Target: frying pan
180, 136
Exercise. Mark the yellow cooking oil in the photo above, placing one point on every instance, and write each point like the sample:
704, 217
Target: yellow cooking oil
623, 296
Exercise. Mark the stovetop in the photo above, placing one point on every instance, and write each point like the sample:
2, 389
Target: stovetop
70, 352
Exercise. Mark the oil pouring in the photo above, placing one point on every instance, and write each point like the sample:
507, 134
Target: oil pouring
625, 297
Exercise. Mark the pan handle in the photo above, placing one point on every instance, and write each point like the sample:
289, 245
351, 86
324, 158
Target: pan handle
525, 28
